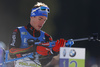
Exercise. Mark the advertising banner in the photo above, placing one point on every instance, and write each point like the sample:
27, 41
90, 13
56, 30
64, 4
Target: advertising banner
72, 57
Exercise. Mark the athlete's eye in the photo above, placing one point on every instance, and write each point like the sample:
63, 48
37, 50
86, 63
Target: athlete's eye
40, 18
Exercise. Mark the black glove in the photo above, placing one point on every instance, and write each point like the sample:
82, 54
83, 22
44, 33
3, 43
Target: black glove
32, 42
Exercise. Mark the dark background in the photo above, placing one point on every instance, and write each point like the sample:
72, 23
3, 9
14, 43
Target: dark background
68, 19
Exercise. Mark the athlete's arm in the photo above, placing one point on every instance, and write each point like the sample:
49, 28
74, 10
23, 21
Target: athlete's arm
14, 47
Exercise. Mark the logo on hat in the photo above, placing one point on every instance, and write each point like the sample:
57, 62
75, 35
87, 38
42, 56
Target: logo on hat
44, 14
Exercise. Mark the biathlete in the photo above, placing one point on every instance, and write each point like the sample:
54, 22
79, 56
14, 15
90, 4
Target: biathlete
22, 40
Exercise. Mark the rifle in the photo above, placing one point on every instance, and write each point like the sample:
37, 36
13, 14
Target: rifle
70, 42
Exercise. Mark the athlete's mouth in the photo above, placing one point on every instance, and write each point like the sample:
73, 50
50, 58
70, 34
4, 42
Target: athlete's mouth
39, 26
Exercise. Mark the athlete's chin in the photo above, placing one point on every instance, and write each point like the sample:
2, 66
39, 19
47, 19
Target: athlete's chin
38, 29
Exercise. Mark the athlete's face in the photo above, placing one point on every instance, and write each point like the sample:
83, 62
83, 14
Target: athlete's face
38, 22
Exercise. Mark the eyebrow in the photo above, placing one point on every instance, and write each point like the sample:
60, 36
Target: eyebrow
40, 17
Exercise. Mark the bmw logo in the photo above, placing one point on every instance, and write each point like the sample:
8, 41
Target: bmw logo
72, 53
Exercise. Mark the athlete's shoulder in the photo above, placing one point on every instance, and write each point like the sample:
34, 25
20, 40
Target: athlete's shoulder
16, 30
47, 36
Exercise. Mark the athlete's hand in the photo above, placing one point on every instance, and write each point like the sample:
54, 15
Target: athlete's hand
58, 44
44, 51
